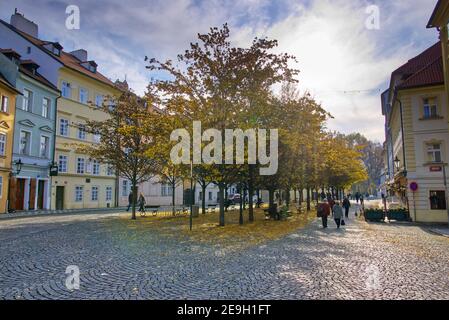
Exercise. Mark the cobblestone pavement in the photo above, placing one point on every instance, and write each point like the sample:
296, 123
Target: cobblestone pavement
362, 261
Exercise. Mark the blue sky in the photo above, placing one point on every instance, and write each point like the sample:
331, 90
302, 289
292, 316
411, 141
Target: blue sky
342, 63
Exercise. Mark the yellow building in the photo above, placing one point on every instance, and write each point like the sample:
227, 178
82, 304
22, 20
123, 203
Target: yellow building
417, 136
7, 111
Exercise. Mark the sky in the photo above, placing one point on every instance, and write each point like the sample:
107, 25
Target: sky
344, 64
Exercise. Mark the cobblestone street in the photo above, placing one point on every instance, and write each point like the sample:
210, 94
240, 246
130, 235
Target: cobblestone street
362, 261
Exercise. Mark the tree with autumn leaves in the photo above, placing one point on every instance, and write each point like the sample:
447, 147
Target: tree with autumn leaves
227, 87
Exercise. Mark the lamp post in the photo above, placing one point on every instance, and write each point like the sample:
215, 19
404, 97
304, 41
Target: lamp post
445, 189
19, 165
192, 197
18, 168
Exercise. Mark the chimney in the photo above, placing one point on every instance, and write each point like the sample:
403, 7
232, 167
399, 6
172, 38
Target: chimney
80, 54
19, 21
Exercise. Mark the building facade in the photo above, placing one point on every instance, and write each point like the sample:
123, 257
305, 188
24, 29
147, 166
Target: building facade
417, 136
8, 94
34, 136
81, 182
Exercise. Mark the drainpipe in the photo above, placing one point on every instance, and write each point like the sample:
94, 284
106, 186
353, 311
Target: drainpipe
55, 126
403, 149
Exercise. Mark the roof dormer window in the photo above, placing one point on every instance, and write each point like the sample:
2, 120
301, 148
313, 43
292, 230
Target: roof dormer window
90, 65
53, 47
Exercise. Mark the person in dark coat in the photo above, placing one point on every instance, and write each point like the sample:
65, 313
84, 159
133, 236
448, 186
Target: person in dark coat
323, 211
141, 203
130, 200
346, 205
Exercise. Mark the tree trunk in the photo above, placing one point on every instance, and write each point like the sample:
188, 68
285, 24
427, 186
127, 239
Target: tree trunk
221, 188
250, 194
173, 188
271, 206
287, 197
241, 210
134, 199
203, 198
225, 198
308, 199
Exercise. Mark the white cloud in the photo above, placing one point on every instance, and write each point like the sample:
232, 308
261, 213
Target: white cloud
336, 53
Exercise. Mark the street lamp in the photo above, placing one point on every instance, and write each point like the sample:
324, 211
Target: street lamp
19, 165
397, 163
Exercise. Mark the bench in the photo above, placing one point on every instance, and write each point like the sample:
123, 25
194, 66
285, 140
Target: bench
211, 207
153, 209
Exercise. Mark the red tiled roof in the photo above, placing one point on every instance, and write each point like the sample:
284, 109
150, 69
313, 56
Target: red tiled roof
36, 75
65, 58
426, 69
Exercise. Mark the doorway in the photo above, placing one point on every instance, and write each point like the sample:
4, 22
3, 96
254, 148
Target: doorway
60, 198
40, 194
20, 194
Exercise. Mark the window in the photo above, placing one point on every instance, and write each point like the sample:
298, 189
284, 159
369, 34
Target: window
46, 107
437, 200
44, 147
98, 100
434, 152
210, 196
27, 100
2, 144
94, 194
25, 142
79, 193
108, 193
82, 132
4, 104
110, 171
84, 95
430, 108
125, 188
1, 187
80, 165
62, 163
28, 50
96, 138
166, 190
95, 167
66, 90
64, 127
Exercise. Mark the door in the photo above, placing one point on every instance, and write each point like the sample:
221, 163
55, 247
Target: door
20, 194
40, 194
59, 198
32, 198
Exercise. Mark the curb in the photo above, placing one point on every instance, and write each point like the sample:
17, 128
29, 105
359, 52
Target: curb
438, 233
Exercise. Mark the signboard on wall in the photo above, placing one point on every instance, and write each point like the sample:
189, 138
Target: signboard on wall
436, 169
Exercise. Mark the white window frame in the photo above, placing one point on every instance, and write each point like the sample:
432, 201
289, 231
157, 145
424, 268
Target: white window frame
97, 98
79, 196
78, 167
67, 131
47, 108
125, 185
27, 103
432, 152
92, 193
29, 144
432, 109
81, 95
62, 158
96, 167
4, 104
66, 89
108, 193
47, 155
82, 135
3, 142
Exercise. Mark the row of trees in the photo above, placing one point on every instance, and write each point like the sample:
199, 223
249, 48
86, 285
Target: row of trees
226, 87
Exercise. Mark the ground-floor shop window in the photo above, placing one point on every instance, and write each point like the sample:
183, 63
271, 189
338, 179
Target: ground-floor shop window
437, 200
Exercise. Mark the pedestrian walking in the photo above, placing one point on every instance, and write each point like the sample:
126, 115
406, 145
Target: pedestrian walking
357, 197
323, 211
331, 202
362, 200
130, 200
141, 203
338, 214
346, 205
